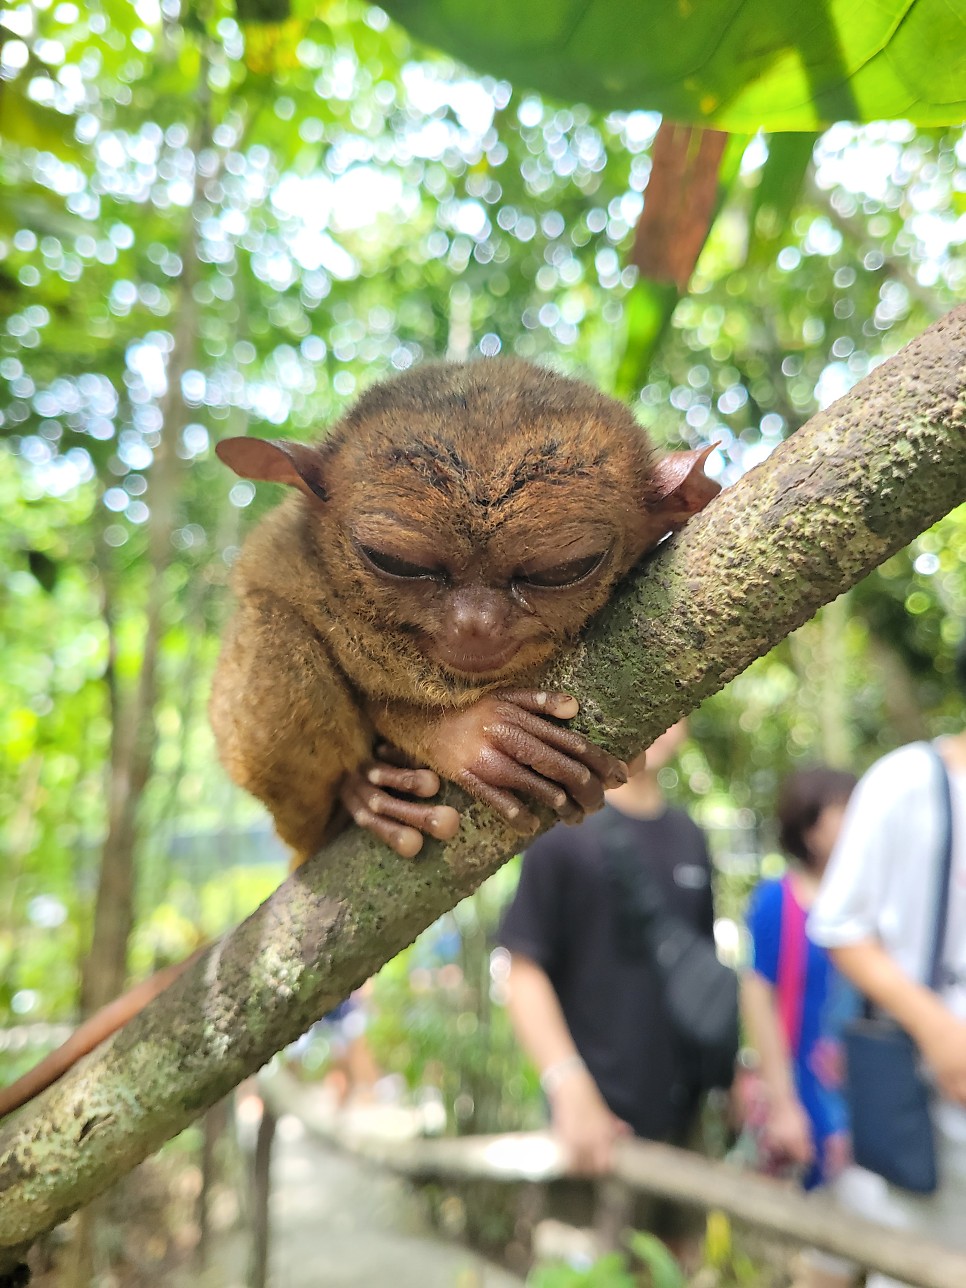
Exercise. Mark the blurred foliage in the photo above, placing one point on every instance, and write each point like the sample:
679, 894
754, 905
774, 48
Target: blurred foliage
647, 1263
609, 1271
445, 995
362, 204
744, 67
662, 1268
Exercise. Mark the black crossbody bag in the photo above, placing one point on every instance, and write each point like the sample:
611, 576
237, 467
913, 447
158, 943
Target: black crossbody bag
700, 992
889, 1096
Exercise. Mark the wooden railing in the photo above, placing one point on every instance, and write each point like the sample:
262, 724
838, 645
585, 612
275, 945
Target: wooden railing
773, 1207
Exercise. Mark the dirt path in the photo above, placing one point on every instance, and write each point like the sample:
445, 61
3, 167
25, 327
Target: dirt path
337, 1222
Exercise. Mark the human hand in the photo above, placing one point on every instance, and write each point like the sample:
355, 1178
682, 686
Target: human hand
586, 1127
944, 1049
789, 1132
838, 1155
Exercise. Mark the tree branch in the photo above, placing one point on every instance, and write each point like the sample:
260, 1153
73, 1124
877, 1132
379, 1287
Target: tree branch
850, 488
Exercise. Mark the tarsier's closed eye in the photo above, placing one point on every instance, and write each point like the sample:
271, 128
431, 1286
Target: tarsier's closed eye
394, 566
564, 574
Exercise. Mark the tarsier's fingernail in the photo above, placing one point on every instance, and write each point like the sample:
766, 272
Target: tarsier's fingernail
541, 699
560, 800
513, 811
409, 842
375, 776
442, 826
621, 772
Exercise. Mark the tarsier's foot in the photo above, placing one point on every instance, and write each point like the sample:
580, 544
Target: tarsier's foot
370, 797
505, 744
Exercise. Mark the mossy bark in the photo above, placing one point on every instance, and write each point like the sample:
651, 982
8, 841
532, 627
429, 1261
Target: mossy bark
847, 490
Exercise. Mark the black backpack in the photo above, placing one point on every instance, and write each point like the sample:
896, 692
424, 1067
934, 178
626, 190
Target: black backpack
700, 992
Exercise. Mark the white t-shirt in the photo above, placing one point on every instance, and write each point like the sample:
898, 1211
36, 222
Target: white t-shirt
882, 878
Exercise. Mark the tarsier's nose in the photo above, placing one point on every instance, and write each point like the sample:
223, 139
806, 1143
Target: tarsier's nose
475, 638
477, 613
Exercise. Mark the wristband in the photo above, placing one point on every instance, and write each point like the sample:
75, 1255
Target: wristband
559, 1072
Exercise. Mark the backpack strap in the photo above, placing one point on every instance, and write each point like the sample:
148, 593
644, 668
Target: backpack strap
935, 977
792, 965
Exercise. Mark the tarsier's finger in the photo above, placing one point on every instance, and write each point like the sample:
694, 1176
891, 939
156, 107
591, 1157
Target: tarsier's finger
508, 770
559, 774
406, 841
439, 821
544, 702
503, 802
417, 782
571, 813
387, 816
611, 771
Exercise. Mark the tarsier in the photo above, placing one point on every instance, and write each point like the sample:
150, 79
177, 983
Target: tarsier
455, 530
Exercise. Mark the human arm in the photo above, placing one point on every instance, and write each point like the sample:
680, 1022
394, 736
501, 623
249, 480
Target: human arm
706, 913
874, 910
939, 1035
586, 1126
788, 1129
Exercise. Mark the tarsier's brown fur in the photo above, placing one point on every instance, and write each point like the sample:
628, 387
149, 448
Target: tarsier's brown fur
453, 532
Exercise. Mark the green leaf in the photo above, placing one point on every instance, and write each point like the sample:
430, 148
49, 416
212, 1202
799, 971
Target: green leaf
759, 64
647, 312
780, 186
662, 1266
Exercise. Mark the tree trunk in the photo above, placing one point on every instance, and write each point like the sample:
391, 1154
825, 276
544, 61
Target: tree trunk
261, 1182
846, 491
134, 735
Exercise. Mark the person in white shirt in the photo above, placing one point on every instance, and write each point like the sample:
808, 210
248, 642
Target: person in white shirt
874, 913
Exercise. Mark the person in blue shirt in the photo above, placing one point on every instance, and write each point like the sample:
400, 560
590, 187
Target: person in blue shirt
787, 996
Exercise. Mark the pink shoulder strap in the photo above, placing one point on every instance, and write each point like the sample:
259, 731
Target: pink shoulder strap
792, 955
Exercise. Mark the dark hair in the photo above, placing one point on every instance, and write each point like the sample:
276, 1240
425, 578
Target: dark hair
801, 799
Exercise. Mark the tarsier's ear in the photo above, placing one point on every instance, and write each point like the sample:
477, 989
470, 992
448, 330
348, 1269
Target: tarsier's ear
275, 460
682, 486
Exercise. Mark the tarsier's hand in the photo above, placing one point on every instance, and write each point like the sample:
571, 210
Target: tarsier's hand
501, 745
504, 744
370, 797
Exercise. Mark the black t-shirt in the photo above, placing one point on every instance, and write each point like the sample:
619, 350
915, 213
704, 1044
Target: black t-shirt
563, 917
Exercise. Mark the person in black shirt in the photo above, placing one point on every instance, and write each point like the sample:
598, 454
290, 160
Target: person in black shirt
589, 1015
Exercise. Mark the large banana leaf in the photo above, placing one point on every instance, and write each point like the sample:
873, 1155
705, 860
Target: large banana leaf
739, 65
